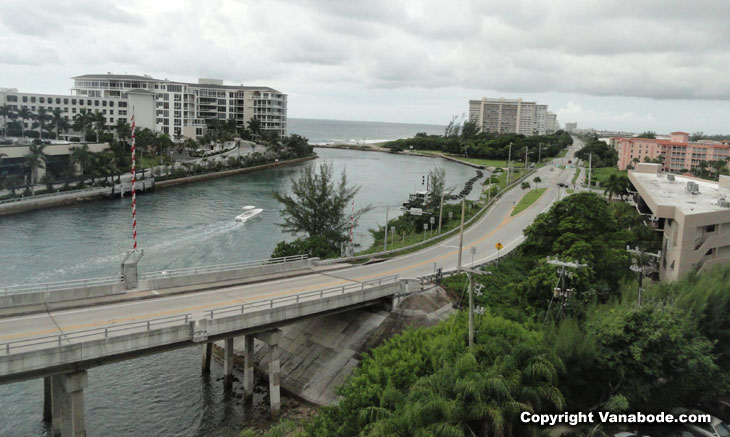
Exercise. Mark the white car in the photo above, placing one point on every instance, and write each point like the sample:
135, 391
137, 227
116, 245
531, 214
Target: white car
716, 427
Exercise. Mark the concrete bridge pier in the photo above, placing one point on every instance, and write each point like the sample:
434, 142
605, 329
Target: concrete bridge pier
47, 400
67, 404
272, 339
228, 364
248, 368
207, 354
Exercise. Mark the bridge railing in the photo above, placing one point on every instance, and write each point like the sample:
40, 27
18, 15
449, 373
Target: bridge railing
296, 298
107, 331
60, 285
219, 267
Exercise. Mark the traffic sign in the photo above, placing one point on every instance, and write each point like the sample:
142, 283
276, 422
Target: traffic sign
498, 246
416, 211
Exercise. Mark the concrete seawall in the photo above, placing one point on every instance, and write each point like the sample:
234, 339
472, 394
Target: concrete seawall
222, 174
318, 354
63, 199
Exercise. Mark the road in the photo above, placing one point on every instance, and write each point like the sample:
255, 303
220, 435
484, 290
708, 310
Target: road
497, 225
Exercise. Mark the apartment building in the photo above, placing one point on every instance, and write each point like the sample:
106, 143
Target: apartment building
179, 109
512, 116
692, 214
678, 152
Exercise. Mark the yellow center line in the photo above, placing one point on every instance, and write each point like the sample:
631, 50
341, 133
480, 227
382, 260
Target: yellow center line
180, 311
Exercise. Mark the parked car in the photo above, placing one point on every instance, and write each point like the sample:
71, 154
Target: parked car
716, 427
719, 408
562, 185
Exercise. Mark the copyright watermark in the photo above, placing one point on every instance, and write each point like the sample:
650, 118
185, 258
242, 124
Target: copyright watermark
573, 419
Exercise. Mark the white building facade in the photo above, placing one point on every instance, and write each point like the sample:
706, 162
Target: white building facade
512, 116
178, 109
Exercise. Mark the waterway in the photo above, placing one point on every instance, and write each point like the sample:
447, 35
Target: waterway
181, 226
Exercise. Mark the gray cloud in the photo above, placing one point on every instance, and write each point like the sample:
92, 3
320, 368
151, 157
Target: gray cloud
657, 49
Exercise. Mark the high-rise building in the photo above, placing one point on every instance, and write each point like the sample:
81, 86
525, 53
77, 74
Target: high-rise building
512, 116
570, 127
179, 109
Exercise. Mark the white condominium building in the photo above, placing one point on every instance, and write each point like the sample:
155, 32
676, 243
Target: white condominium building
512, 116
179, 109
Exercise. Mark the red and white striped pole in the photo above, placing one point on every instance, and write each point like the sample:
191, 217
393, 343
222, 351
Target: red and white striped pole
134, 179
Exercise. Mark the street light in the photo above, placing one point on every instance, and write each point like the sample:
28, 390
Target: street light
385, 239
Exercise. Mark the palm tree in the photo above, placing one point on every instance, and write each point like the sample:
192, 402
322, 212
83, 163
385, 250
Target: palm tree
123, 129
24, 114
613, 186
59, 121
537, 181
6, 112
106, 163
81, 120
34, 160
99, 121
42, 118
525, 186
81, 156
254, 125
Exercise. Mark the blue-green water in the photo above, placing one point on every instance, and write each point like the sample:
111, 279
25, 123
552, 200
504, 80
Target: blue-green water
178, 227
356, 132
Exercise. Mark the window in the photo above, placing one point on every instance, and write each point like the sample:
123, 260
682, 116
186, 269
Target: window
111, 103
73, 101
25, 99
12, 98
96, 103
88, 102
111, 112
122, 104
32, 99
103, 103
111, 119
58, 100
710, 228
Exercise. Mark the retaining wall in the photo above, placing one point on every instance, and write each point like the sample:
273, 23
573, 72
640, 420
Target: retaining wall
41, 297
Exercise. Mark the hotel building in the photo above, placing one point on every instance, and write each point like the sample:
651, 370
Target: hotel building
679, 154
512, 116
179, 109
692, 214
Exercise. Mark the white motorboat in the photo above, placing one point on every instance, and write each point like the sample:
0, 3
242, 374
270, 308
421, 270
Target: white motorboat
249, 212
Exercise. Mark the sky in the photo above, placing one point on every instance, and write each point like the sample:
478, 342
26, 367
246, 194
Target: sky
620, 65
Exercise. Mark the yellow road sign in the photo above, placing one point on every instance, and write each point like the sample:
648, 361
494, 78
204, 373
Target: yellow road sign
498, 246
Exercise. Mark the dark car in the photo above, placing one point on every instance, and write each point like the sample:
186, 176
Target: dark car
562, 185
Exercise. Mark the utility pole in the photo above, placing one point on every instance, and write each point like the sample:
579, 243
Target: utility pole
509, 160
526, 148
539, 153
385, 240
561, 291
590, 168
441, 210
461, 237
639, 266
470, 274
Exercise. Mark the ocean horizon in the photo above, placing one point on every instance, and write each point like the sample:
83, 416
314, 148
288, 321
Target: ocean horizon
324, 132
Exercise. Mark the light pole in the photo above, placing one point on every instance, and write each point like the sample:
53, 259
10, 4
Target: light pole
461, 236
385, 239
509, 161
441, 209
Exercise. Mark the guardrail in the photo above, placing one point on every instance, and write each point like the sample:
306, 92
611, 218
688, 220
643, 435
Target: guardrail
56, 194
432, 239
58, 339
60, 285
296, 298
218, 267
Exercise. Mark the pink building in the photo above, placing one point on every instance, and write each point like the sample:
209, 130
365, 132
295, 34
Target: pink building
678, 152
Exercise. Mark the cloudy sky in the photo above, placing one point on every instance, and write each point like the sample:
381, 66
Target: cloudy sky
631, 65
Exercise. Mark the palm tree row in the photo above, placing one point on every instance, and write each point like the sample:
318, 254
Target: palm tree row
56, 122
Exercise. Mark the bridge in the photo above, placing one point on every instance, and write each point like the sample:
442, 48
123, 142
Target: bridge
58, 331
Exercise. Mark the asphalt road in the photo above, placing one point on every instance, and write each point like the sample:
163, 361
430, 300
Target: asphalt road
497, 225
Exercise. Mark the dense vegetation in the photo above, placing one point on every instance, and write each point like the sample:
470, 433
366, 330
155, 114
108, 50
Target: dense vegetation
596, 350
599, 153
487, 145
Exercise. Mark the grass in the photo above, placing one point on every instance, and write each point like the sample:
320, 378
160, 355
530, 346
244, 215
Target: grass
148, 161
527, 200
569, 190
575, 176
601, 175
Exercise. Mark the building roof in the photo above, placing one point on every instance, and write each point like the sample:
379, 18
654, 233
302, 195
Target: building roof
117, 77
680, 133
109, 76
666, 192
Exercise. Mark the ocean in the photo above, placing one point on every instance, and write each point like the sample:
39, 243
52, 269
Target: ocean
322, 132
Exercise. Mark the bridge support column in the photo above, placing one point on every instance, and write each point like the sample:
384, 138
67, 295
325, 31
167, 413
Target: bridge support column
248, 368
272, 339
71, 402
274, 380
56, 400
228, 364
47, 400
207, 354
